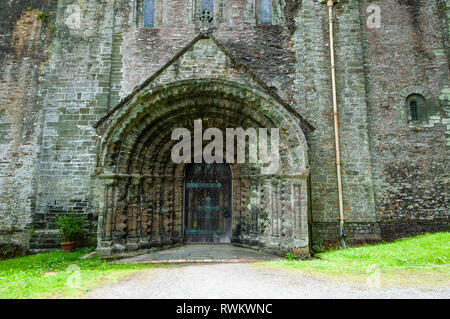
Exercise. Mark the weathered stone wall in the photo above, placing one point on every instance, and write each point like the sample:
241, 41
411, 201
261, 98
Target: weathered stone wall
268, 51
410, 160
314, 79
61, 76
78, 95
25, 43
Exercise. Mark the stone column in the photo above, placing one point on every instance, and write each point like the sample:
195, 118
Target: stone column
177, 235
146, 221
105, 217
133, 214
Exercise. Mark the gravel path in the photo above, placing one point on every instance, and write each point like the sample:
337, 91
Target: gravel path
238, 281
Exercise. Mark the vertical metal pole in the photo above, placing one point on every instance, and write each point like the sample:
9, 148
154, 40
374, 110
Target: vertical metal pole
336, 125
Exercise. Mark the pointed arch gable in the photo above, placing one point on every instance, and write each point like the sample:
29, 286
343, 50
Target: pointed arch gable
226, 99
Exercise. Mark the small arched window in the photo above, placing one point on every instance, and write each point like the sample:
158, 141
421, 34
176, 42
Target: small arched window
149, 13
209, 5
220, 10
269, 12
417, 107
265, 11
413, 109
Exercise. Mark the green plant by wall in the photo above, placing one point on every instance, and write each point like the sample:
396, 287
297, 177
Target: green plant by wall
290, 256
318, 247
71, 226
42, 16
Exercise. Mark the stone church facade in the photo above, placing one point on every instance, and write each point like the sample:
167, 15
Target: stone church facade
91, 92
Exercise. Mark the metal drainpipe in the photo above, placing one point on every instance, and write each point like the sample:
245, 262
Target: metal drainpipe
336, 127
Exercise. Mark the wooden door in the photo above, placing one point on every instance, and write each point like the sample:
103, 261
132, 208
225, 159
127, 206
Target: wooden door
207, 203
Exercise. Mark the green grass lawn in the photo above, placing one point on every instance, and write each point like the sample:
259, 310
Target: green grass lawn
418, 261
50, 275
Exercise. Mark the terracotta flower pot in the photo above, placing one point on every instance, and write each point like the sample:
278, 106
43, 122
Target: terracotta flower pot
68, 246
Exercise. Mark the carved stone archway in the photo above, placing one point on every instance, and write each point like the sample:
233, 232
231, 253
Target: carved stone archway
141, 189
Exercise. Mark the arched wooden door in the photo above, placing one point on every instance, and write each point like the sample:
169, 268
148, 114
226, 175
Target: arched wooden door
207, 203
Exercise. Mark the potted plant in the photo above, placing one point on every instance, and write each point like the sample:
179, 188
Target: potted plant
71, 228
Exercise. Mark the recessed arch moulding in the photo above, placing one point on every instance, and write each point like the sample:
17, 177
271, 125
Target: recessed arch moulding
140, 189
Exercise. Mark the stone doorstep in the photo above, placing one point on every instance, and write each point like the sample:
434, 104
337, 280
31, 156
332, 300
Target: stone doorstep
197, 261
194, 254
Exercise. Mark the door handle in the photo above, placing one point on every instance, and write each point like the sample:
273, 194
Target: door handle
226, 214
